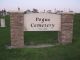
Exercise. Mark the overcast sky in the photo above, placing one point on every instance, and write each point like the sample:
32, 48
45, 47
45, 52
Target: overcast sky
41, 4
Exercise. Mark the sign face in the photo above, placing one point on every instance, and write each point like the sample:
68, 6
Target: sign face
42, 22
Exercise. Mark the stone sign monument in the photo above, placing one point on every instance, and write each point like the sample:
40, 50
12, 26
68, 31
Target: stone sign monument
63, 23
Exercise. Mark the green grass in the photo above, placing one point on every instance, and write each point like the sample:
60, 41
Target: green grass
66, 52
5, 32
40, 37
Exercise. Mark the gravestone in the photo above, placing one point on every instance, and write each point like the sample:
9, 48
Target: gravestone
2, 22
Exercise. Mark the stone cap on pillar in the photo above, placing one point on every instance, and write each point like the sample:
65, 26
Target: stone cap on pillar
68, 13
15, 11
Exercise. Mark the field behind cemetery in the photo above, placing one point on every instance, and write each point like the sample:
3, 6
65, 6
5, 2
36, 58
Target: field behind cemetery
66, 52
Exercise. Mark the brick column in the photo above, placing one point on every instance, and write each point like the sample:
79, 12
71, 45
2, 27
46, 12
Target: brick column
17, 29
66, 33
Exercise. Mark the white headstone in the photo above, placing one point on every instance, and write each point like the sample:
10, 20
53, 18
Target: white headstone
2, 22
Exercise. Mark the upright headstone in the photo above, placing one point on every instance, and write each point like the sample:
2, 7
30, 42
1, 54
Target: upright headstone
17, 29
2, 22
66, 33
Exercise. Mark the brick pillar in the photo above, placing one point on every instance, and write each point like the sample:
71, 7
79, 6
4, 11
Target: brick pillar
66, 33
17, 29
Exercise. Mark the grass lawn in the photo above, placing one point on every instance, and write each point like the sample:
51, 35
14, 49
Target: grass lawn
66, 52
40, 37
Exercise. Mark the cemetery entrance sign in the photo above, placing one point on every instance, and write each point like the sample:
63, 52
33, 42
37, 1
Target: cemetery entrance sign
42, 22
21, 22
